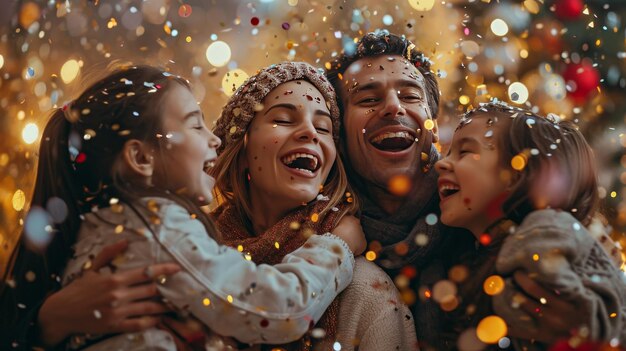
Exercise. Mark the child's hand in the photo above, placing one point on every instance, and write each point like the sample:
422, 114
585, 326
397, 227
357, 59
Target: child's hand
556, 318
349, 229
104, 303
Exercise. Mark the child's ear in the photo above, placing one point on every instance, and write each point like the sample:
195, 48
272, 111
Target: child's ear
435, 131
138, 158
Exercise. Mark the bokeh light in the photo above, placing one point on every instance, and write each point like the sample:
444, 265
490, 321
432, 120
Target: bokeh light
422, 5
491, 329
499, 27
30, 133
518, 93
69, 71
232, 80
493, 285
218, 53
399, 184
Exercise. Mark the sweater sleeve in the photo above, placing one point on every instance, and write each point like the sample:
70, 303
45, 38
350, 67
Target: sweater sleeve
558, 252
235, 297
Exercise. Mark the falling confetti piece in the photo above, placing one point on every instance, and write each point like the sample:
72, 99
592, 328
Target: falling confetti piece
18, 200
184, 10
518, 162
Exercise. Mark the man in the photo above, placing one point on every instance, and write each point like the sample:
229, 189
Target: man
389, 101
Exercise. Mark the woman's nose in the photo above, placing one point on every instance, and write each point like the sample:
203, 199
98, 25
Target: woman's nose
307, 132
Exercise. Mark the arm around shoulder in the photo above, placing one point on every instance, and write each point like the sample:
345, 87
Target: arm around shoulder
253, 303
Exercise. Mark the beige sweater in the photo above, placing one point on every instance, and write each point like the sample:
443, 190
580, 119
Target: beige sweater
372, 316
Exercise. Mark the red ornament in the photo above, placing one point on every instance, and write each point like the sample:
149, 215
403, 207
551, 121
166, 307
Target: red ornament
564, 345
81, 158
582, 79
254, 21
568, 9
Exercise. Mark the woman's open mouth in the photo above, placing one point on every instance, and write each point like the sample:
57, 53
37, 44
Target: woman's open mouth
303, 162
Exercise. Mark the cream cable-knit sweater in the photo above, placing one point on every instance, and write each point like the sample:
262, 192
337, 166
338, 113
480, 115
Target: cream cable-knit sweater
372, 315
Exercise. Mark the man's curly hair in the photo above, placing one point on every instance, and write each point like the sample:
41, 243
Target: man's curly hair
380, 43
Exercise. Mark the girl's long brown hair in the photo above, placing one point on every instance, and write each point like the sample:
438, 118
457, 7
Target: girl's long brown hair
77, 164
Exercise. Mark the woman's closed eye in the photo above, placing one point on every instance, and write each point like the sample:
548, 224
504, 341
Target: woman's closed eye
323, 129
281, 121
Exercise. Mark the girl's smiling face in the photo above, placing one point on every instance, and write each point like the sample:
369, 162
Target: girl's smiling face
190, 148
472, 182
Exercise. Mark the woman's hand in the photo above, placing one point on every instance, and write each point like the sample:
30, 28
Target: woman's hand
98, 304
555, 319
349, 229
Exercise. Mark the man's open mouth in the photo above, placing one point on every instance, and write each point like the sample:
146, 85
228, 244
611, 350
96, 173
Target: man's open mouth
302, 161
393, 141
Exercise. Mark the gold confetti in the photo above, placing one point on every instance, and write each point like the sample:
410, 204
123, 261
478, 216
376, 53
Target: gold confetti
429, 124
30, 276
119, 228
206, 301
493, 285
19, 200
518, 162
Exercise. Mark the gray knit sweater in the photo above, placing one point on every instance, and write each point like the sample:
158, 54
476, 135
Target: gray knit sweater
561, 255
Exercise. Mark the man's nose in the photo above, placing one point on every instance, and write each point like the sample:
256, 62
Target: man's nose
393, 106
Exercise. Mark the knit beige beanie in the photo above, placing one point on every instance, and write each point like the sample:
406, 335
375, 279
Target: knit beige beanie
240, 109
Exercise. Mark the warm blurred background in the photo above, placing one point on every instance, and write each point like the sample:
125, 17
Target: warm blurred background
561, 56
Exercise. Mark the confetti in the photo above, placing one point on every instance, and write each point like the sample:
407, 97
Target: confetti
185, 10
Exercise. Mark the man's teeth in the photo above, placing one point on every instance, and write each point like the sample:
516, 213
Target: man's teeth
290, 158
390, 135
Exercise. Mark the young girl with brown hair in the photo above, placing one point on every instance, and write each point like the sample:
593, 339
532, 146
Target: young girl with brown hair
526, 187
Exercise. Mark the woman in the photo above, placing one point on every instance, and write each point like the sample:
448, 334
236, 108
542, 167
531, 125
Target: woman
281, 180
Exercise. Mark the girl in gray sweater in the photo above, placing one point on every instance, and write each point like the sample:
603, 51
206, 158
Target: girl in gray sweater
525, 186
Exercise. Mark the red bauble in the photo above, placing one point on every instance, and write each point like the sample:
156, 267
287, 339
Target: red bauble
568, 9
582, 78
564, 345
